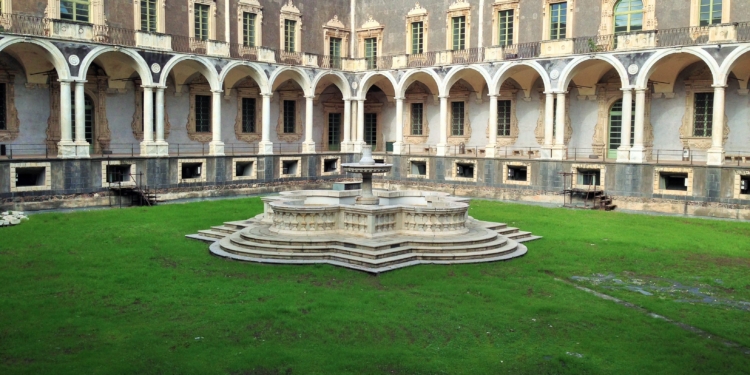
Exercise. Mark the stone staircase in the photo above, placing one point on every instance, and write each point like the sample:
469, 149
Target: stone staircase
251, 240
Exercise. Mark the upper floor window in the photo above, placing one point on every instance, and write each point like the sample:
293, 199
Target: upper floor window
334, 50
459, 33
148, 16
558, 20
710, 12
371, 52
75, 10
703, 114
201, 21
628, 16
290, 35
248, 29
505, 27
417, 37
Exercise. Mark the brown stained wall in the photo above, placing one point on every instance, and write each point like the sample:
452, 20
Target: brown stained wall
119, 13
740, 11
673, 14
176, 21
530, 22
30, 7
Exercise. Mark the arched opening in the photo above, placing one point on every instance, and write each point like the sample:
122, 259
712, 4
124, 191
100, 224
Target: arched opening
331, 90
421, 111
376, 125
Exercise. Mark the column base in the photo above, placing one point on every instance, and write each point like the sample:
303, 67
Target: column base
623, 154
162, 148
308, 147
148, 148
715, 156
637, 154
216, 148
357, 146
346, 146
397, 148
490, 151
82, 150
66, 150
559, 153
546, 152
265, 148
442, 150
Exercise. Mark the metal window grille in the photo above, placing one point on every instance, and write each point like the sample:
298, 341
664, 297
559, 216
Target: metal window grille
703, 118
202, 113
148, 16
558, 20
457, 118
416, 118
505, 27
248, 29
417, 37
290, 35
248, 115
201, 21
503, 118
290, 116
459, 33
710, 11
75, 10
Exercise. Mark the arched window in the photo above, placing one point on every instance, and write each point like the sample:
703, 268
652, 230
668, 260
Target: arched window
628, 16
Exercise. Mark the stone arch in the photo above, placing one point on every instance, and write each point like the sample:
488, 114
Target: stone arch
414, 76
456, 73
584, 62
652, 63
373, 77
201, 64
284, 74
238, 70
512, 69
337, 78
52, 53
731, 63
140, 65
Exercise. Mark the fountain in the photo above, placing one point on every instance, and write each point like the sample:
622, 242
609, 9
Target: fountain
372, 231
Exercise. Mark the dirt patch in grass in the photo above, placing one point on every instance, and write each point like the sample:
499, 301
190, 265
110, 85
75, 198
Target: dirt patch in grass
264, 371
720, 261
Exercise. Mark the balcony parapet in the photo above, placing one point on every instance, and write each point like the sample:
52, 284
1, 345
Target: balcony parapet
559, 47
71, 30
217, 48
636, 40
153, 40
722, 33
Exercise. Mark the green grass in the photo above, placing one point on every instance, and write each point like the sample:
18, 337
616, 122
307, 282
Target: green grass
122, 291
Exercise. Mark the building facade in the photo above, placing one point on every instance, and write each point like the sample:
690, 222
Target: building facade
649, 97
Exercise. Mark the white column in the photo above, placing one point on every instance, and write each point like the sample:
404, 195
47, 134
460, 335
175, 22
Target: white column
716, 152
308, 146
360, 126
216, 147
66, 147
549, 123
623, 152
442, 147
638, 152
399, 126
491, 149
265, 147
559, 149
82, 146
346, 144
147, 146
162, 148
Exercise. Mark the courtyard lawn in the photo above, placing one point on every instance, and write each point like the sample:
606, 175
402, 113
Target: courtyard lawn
122, 291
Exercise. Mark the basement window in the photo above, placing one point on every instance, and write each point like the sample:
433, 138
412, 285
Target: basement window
330, 165
465, 170
289, 167
745, 185
191, 170
589, 177
118, 173
419, 168
518, 173
30, 176
243, 169
673, 181
379, 161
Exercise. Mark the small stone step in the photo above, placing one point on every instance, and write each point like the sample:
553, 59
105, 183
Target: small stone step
518, 235
212, 234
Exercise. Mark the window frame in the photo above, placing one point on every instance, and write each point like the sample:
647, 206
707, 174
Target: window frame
707, 113
74, 4
199, 108
629, 14
286, 121
559, 32
458, 128
418, 14
458, 29
289, 12
459, 8
335, 29
712, 19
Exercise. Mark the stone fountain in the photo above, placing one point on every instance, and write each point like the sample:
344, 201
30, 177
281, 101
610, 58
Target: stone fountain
372, 231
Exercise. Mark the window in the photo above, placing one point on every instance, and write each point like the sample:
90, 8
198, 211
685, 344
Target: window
191, 170
248, 29
26, 177
334, 51
418, 168
201, 21
289, 167
3, 109
202, 113
330, 165
371, 53
417, 37
703, 116
118, 173
371, 129
243, 169
628, 16
248, 115
589, 177
416, 118
75, 10
615, 127
558, 20
745, 185
518, 173
503, 118
465, 170
290, 116
459, 33
710, 12
673, 181
290, 28
148, 16
334, 131
505, 27
457, 118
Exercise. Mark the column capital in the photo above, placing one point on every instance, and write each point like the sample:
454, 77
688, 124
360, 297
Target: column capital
549, 93
493, 95
160, 88
360, 100
310, 97
625, 89
562, 93
148, 87
267, 94
65, 81
399, 98
80, 82
639, 90
444, 97
719, 86
217, 91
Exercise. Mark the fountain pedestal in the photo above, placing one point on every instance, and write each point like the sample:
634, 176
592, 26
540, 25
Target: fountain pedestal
366, 167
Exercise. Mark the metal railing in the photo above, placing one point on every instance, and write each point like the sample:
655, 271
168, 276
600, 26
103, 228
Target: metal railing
243, 52
187, 44
684, 36
114, 35
596, 153
467, 56
522, 51
24, 25
290, 58
418, 60
590, 44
